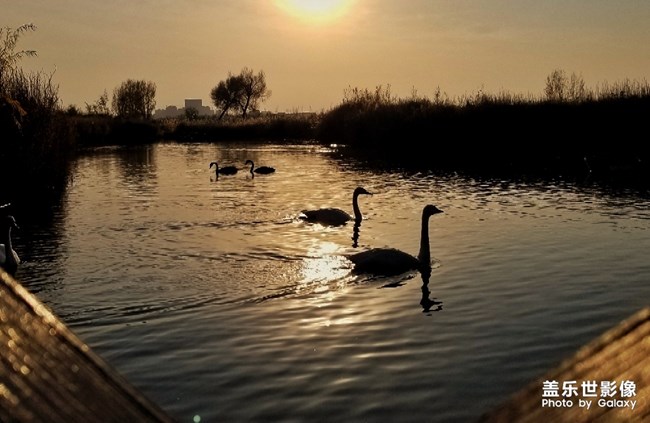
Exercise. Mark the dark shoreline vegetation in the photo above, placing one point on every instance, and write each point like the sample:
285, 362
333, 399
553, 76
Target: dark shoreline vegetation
570, 132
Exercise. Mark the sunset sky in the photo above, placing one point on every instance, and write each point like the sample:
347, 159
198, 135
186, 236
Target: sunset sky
311, 50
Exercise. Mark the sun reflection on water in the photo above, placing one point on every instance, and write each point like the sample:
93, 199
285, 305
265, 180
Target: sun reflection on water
323, 276
325, 268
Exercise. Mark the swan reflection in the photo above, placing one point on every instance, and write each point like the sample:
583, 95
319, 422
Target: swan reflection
426, 301
355, 234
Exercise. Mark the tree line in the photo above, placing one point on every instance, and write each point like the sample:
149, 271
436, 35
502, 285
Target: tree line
241, 93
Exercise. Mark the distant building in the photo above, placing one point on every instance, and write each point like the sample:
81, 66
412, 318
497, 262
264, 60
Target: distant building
173, 111
168, 112
196, 103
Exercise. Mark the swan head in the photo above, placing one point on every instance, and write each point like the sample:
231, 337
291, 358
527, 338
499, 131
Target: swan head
10, 222
249, 162
213, 164
430, 210
360, 190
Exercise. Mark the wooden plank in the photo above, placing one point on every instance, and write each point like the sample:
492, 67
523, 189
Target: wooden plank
47, 374
620, 354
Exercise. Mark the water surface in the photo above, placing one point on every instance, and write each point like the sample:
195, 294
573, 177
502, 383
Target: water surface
214, 299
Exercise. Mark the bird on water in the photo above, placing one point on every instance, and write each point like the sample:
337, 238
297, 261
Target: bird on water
226, 170
263, 170
333, 216
9, 259
391, 261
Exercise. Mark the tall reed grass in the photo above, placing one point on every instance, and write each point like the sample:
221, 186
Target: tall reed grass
270, 127
38, 142
497, 132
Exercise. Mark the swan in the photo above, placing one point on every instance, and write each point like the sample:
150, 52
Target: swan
335, 217
227, 170
9, 259
390, 261
262, 169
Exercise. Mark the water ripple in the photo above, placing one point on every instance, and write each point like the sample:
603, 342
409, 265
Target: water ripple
151, 261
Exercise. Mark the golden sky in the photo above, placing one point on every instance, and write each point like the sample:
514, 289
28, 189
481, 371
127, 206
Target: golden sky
311, 50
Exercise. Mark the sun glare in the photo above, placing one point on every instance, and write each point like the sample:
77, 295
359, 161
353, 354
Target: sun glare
316, 11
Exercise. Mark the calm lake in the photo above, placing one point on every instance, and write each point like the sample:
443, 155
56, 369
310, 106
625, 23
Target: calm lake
216, 301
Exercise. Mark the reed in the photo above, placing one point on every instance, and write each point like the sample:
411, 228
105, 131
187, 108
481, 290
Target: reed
38, 141
499, 133
271, 127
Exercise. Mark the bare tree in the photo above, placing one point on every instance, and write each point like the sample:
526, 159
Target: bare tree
100, 107
254, 90
559, 87
577, 90
135, 99
556, 85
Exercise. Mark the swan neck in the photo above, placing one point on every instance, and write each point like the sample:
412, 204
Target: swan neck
9, 252
7, 238
355, 208
425, 253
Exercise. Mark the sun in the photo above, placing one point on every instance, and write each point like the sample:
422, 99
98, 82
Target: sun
315, 11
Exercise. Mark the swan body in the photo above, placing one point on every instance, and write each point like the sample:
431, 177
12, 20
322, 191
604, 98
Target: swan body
264, 170
390, 261
334, 216
9, 259
227, 170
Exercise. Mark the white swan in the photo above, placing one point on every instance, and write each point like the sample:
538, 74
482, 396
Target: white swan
390, 261
333, 216
9, 259
227, 170
262, 169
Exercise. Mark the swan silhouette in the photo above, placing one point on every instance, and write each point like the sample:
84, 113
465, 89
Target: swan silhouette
333, 216
264, 170
227, 170
9, 259
390, 261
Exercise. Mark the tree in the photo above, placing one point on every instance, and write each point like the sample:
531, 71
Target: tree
254, 90
191, 113
244, 92
135, 99
100, 107
227, 94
